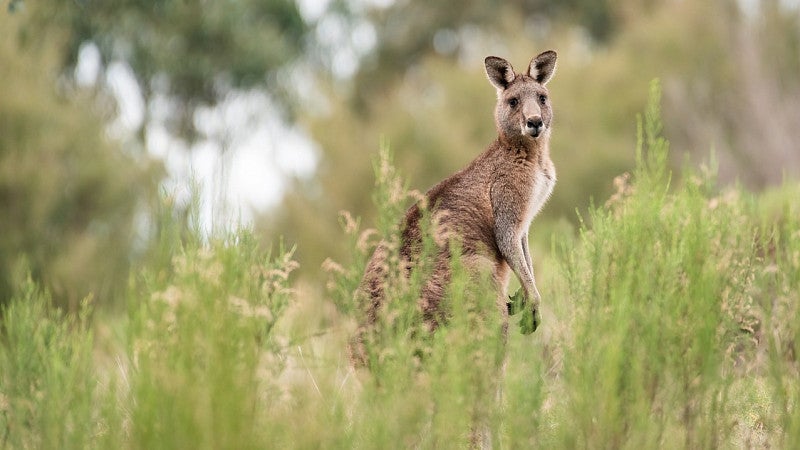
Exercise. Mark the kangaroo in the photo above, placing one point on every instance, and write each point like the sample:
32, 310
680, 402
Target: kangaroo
488, 206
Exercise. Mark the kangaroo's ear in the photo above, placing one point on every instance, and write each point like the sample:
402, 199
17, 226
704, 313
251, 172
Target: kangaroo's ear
543, 66
499, 71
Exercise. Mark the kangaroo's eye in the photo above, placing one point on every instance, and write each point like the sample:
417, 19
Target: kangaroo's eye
543, 99
513, 102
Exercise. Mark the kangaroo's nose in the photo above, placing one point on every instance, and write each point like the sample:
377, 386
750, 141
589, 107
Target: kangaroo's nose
534, 123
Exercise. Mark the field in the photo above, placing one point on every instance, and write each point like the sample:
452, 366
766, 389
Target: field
671, 320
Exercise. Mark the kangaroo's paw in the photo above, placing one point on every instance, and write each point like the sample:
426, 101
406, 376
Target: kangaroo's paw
529, 321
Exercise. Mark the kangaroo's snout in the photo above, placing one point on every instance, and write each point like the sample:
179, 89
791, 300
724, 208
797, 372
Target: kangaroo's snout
533, 126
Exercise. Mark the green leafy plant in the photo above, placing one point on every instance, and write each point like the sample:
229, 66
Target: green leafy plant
47, 388
201, 344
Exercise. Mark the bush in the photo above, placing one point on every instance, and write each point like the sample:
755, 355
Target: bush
47, 387
671, 319
662, 284
201, 347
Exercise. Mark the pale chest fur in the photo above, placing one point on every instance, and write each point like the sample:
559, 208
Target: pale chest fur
543, 181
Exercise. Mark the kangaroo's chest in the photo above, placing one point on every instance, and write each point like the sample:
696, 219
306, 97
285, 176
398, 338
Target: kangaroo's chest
542, 181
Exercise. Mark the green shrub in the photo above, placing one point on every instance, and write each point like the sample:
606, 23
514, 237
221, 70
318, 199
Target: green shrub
47, 388
202, 352
665, 318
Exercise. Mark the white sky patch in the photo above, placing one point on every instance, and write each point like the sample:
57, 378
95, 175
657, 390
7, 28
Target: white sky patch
312, 10
363, 37
333, 32
253, 180
256, 152
89, 64
122, 83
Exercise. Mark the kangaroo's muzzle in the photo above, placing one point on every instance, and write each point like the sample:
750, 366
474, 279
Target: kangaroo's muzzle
533, 126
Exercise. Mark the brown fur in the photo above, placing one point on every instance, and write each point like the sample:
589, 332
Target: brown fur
489, 205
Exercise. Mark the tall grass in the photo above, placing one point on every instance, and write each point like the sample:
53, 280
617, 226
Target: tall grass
665, 312
201, 346
47, 387
671, 320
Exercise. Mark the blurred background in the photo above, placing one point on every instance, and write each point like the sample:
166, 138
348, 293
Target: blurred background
270, 112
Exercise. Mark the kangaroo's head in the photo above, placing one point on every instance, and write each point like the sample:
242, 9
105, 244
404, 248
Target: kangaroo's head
523, 104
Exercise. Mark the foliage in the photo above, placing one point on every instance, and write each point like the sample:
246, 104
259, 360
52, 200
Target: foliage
670, 319
696, 301
722, 67
47, 384
417, 79
69, 196
197, 355
201, 345
230, 44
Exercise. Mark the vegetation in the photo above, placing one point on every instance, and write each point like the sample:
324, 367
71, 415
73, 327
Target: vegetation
69, 197
233, 45
671, 321
423, 88
671, 314
346, 72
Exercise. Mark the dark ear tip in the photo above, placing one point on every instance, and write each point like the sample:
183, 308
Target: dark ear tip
550, 53
492, 59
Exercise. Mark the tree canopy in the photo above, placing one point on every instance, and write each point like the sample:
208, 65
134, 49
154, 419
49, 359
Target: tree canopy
191, 51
